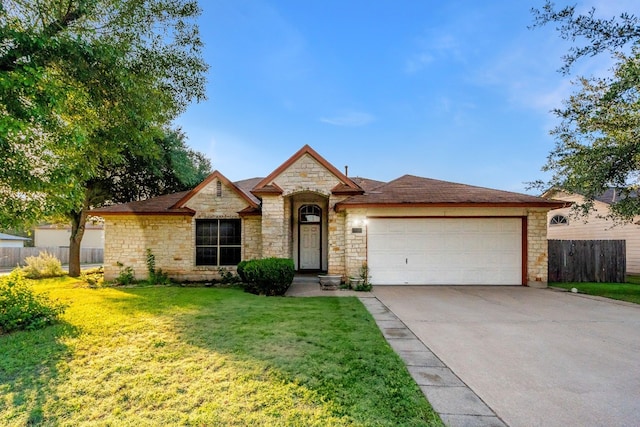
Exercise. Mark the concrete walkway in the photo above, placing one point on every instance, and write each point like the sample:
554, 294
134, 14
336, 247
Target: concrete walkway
450, 397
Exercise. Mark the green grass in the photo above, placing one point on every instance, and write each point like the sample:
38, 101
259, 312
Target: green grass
198, 357
621, 291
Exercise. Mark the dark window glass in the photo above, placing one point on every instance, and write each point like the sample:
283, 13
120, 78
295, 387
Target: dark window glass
206, 256
229, 255
229, 232
206, 233
218, 241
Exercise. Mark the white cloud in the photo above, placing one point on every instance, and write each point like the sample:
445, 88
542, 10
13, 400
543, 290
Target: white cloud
349, 119
417, 62
431, 48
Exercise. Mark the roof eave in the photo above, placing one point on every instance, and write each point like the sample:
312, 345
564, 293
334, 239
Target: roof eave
188, 212
549, 205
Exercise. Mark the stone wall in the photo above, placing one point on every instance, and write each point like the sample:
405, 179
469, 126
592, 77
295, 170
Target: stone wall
172, 238
127, 238
537, 248
306, 174
273, 227
355, 242
251, 237
337, 243
208, 205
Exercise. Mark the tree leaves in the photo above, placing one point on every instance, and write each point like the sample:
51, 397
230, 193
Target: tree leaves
86, 88
598, 138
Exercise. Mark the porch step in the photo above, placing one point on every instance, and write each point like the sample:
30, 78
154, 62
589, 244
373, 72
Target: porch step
306, 279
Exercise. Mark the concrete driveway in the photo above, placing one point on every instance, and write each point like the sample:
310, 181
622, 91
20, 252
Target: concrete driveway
537, 357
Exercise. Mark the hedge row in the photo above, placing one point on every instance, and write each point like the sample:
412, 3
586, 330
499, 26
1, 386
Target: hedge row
268, 276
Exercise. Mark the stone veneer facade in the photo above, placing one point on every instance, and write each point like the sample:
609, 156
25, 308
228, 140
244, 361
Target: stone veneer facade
537, 248
171, 238
273, 233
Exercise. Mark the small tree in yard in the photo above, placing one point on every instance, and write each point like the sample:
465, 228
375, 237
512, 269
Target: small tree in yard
598, 138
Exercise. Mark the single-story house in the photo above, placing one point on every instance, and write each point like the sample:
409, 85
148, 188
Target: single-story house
411, 230
562, 225
11, 241
57, 236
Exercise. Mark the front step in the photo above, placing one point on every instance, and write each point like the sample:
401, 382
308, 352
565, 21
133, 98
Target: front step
306, 279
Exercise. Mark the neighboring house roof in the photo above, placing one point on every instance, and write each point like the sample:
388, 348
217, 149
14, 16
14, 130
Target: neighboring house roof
611, 195
4, 236
161, 205
415, 190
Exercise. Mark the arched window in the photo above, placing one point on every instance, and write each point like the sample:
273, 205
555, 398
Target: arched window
559, 220
309, 214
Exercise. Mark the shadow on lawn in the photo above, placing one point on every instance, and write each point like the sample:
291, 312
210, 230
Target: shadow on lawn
329, 345
29, 370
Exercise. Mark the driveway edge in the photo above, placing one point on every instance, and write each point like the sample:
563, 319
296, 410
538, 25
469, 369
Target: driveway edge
450, 397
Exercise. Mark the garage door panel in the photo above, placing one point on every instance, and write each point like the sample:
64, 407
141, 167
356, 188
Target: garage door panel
445, 250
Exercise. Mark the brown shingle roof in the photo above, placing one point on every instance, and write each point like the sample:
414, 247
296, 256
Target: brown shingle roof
366, 183
414, 190
161, 205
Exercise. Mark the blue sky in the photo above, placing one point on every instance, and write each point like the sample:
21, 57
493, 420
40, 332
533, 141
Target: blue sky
453, 90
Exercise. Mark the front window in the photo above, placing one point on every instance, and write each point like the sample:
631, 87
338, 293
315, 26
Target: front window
218, 242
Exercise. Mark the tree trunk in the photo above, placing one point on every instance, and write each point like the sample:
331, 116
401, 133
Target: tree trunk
78, 221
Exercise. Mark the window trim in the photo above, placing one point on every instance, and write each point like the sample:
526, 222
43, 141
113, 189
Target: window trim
558, 220
309, 209
218, 245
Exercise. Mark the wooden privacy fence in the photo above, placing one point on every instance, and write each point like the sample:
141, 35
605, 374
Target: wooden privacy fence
587, 261
11, 257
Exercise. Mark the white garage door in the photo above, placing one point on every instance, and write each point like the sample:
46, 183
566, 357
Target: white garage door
445, 251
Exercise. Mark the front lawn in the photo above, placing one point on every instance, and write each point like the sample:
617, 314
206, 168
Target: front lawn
621, 291
198, 356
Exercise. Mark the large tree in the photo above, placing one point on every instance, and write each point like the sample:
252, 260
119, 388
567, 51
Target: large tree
598, 138
87, 87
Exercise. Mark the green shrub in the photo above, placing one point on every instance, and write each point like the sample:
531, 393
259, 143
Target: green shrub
365, 285
269, 276
126, 276
93, 277
43, 265
21, 308
156, 275
227, 277
240, 270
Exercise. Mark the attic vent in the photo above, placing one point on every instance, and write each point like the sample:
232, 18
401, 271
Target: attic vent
218, 189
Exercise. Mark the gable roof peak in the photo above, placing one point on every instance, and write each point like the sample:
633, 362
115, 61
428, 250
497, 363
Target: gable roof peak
220, 177
306, 149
